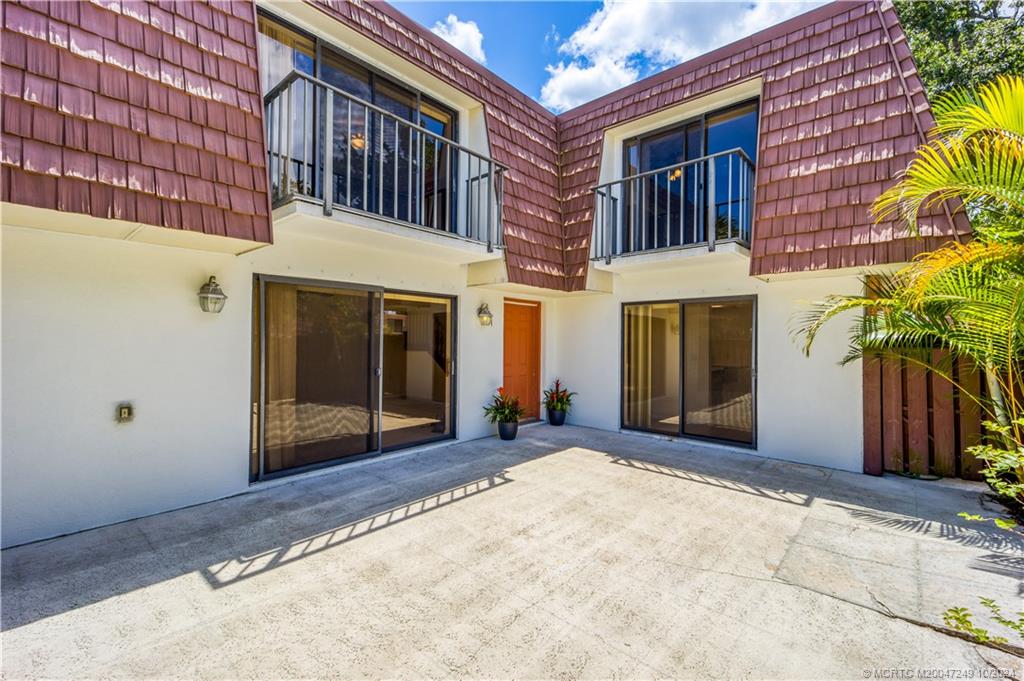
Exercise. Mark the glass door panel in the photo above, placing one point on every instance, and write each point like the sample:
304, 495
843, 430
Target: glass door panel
439, 121
282, 51
320, 388
392, 149
663, 209
731, 129
417, 385
660, 192
651, 367
718, 373
350, 129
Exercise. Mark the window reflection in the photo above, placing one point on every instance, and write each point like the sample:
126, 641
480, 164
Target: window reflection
651, 367
417, 369
730, 129
671, 208
282, 51
378, 164
705, 346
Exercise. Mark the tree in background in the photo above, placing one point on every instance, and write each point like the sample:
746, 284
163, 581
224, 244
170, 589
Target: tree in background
963, 43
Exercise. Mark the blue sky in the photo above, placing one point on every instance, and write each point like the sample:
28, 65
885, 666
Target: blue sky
566, 53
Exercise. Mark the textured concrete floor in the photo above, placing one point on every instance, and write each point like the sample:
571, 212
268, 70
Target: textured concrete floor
569, 553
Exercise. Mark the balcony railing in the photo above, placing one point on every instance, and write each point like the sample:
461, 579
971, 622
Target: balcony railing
348, 154
702, 202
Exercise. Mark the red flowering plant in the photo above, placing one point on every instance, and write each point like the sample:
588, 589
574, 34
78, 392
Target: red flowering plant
504, 408
558, 398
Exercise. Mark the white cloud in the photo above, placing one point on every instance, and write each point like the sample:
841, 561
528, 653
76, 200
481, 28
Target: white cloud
572, 83
624, 41
464, 35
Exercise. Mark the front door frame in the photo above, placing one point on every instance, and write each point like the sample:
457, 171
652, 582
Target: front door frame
538, 342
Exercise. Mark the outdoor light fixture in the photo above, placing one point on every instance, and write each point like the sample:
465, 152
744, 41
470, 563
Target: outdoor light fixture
483, 313
211, 297
358, 142
675, 175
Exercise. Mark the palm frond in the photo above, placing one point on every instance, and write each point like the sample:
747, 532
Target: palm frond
978, 169
987, 258
996, 108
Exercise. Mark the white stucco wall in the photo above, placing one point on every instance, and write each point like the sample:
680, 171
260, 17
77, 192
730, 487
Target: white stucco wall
807, 409
90, 322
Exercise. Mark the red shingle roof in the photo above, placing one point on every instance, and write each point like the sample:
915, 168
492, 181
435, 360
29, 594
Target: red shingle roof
146, 112
842, 111
151, 112
522, 136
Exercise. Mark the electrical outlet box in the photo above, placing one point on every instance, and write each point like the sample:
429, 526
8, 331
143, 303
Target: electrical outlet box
125, 412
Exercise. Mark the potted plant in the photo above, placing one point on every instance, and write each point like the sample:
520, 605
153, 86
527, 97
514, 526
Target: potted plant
558, 400
505, 410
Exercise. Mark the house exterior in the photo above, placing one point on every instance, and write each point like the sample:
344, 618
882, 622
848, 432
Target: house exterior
398, 232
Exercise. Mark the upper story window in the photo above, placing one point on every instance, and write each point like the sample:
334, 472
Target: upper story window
342, 133
712, 133
284, 49
687, 184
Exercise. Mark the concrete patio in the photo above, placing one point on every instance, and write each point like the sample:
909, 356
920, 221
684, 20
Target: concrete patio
570, 553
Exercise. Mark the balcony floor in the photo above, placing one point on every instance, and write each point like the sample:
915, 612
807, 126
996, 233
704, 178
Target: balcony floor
367, 230
669, 258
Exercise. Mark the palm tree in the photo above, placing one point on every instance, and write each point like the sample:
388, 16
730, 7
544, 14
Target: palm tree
967, 299
976, 155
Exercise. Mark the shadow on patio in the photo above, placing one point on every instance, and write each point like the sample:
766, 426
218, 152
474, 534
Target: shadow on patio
244, 567
233, 539
229, 541
891, 502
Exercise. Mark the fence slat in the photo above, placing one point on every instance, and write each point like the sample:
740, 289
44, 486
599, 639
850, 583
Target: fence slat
917, 420
970, 421
943, 434
872, 417
892, 415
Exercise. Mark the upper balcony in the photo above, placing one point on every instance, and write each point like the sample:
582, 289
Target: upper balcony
342, 153
697, 205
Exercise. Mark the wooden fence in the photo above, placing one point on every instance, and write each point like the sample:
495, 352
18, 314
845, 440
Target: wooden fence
918, 423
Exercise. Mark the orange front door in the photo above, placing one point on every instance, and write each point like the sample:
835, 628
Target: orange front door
522, 354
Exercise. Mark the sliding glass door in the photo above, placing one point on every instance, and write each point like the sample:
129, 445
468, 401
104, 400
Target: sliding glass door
345, 371
651, 367
320, 396
707, 348
417, 369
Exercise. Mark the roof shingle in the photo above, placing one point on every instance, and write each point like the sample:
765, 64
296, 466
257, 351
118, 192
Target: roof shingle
107, 83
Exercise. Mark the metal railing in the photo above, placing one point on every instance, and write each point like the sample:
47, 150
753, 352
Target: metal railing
701, 202
329, 146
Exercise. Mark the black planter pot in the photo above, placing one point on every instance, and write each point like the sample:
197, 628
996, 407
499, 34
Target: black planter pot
508, 431
556, 417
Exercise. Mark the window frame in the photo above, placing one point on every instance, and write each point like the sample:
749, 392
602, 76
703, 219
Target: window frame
682, 125
319, 43
257, 322
680, 433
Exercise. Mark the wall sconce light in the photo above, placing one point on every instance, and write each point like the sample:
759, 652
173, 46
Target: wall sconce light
483, 313
675, 175
358, 142
211, 297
